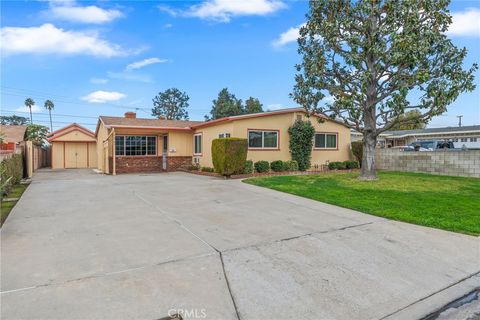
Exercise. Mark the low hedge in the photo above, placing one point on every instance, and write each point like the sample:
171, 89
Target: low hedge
207, 169
290, 165
248, 167
12, 169
277, 166
229, 155
338, 165
262, 166
351, 164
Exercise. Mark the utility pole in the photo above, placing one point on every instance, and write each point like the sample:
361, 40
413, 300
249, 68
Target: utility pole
459, 120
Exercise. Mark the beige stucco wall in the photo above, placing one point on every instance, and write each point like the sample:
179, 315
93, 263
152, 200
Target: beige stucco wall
180, 143
282, 122
208, 135
57, 155
76, 135
102, 160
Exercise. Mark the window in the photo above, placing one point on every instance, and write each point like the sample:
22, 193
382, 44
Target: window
473, 139
135, 146
299, 117
325, 141
463, 140
263, 139
224, 135
197, 143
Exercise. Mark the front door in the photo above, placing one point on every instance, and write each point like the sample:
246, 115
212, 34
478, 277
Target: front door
164, 152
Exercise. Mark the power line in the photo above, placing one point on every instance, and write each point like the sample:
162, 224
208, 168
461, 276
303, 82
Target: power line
53, 114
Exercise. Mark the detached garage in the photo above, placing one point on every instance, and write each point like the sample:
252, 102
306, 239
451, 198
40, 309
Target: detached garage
73, 147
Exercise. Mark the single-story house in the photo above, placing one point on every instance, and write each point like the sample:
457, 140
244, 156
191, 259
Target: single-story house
468, 136
73, 147
130, 144
12, 136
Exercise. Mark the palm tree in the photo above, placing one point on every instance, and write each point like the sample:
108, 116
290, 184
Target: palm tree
29, 103
49, 106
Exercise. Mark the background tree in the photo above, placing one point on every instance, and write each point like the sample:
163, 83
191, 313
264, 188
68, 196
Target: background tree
13, 120
49, 106
369, 55
36, 133
172, 104
225, 105
409, 121
29, 103
253, 105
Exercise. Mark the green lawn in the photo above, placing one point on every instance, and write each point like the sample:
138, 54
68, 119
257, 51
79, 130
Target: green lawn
7, 206
449, 203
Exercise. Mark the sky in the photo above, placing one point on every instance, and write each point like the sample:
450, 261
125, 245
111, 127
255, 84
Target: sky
105, 57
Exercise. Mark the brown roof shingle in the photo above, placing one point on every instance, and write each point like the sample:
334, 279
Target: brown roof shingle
140, 122
13, 133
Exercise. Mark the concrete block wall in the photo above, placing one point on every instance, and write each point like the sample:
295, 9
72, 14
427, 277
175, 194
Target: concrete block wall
450, 163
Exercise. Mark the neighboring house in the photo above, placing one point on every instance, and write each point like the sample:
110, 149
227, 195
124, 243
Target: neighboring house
12, 136
149, 145
73, 147
468, 136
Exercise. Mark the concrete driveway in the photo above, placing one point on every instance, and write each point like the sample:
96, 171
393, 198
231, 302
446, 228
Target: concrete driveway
80, 245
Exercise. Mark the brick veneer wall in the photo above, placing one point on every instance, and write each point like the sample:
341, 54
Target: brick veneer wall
145, 164
450, 163
176, 162
138, 164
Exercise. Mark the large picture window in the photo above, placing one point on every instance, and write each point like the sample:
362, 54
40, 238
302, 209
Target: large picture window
197, 144
325, 141
135, 146
262, 139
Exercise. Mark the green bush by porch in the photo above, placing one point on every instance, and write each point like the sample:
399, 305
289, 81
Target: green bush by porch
229, 155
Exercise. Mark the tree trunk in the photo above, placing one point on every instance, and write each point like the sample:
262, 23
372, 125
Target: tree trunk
51, 126
31, 118
368, 171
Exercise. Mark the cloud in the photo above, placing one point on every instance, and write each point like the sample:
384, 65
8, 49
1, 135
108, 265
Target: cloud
465, 23
88, 14
103, 96
48, 39
224, 10
144, 63
35, 109
129, 76
98, 80
291, 35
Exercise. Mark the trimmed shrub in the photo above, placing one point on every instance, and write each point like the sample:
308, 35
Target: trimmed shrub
277, 166
291, 165
262, 166
193, 167
248, 167
357, 150
351, 164
229, 155
301, 143
337, 165
11, 171
207, 169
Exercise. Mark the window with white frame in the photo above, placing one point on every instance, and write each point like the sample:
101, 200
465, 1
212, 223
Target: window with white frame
197, 143
325, 141
263, 139
135, 145
224, 135
473, 139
